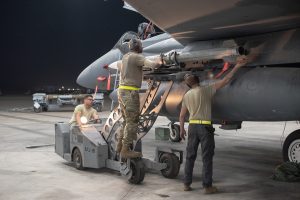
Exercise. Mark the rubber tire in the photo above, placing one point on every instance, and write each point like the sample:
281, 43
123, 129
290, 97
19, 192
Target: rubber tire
138, 171
173, 165
37, 110
98, 107
175, 133
77, 163
287, 142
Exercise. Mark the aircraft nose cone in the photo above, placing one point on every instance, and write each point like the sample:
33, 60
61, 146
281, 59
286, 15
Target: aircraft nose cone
88, 77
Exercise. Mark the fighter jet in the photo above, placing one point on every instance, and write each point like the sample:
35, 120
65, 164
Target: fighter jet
204, 37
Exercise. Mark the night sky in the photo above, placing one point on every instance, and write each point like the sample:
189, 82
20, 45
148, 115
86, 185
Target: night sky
49, 42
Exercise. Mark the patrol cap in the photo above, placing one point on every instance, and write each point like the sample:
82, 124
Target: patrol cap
135, 45
191, 80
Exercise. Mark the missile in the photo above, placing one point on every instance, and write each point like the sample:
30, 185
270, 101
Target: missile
182, 59
193, 59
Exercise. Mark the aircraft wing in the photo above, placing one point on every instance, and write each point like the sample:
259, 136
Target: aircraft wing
196, 20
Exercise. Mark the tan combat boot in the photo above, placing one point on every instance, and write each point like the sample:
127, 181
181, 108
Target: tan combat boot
210, 190
127, 153
187, 187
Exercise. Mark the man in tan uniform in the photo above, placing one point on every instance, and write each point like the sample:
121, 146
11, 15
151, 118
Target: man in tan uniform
85, 110
131, 76
197, 102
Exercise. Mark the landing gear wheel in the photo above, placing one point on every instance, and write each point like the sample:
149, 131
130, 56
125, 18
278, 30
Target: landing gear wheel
77, 159
175, 133
291, 147
173, 165
137, 173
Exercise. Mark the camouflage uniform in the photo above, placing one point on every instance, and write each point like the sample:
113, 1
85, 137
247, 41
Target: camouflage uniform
131, 74
130, 105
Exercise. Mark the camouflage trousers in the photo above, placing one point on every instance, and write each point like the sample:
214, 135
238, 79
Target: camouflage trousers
129, 101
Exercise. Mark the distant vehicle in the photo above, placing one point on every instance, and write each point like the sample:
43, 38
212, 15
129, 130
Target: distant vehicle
98, 101
39, 102
44, 102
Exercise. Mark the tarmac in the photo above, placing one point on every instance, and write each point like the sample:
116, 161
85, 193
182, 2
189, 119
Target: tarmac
243, 164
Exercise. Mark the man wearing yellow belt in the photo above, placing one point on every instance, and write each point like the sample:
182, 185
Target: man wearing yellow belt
197, 102
131, 76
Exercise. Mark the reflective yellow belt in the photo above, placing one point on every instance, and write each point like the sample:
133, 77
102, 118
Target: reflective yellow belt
124, 87
196, 121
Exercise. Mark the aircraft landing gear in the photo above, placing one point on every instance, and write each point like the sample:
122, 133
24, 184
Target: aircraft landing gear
291, 147
174, 132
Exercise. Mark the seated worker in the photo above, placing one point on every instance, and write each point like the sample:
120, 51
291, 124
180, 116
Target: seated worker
197, 102
85, 110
